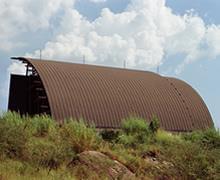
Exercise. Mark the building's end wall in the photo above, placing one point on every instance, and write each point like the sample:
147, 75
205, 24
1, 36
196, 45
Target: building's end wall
18, 94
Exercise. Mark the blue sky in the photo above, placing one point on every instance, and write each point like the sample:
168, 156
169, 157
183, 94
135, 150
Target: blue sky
184, 42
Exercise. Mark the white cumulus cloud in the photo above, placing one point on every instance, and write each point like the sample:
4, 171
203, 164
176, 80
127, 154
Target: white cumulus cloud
142, 34
97, 1
17, 68
20, 16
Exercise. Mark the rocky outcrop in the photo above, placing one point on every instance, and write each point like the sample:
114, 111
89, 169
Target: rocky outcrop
102, 165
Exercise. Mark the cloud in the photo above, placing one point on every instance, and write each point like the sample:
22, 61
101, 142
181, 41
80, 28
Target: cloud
3, 91
206, 45
17, 68
142, 35
21, 16
97, 1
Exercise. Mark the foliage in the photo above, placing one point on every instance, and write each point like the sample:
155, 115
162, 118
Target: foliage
154, 125
41, 125
13, 135
167, 139
189, 160
134, 131
134, 125
12, 169
78, 136
109, 135
47, 153
209, 138
39, 148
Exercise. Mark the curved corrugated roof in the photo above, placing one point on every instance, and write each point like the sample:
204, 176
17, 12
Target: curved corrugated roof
104, 96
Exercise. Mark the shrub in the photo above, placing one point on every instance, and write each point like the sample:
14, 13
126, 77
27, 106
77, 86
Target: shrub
154, 125
194, 136
78, 136
13, 135
12, 119
109, 135
134, 132
209, 138
128, 140
190, 161
47, 153
134, 125
13, 169
41, 125
167, 139
29, 143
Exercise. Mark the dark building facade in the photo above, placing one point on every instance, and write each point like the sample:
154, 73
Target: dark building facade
104, 96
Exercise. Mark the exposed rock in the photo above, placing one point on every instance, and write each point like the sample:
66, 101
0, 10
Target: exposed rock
152, 157
101, 165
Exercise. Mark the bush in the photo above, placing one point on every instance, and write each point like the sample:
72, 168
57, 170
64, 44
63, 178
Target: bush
134, 132
41, 125
190, 161
78, 136
47, 153
29, 146
154, 125
190, 157
134, 125
12, 118
109, 135
209, 138
13, 135
11, 169
167, 139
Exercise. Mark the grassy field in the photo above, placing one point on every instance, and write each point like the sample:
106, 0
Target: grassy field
39, 148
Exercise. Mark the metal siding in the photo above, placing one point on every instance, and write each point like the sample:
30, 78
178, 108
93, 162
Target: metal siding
199, 113
104, 96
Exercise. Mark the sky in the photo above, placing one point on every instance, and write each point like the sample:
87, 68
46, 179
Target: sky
182, 37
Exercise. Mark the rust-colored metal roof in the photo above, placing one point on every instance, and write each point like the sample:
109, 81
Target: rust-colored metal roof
104, 96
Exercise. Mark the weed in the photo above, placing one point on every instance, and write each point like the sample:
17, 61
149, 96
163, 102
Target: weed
78, 136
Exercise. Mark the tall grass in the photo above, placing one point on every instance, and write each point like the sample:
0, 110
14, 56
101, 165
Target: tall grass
13, 135
134, 131
79, 136
39, 148
42, 141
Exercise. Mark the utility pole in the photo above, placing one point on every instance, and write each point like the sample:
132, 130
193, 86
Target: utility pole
84, 59
124, 64
158, 69
40, 54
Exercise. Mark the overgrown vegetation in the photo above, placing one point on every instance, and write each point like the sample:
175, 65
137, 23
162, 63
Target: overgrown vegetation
39, 148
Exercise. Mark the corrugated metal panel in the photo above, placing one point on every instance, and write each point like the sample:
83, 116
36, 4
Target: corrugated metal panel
104, 96
195, 106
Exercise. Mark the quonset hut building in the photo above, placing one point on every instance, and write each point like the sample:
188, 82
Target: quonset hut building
104, 96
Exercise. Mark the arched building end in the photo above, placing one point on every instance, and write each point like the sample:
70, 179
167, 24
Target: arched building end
104, 96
